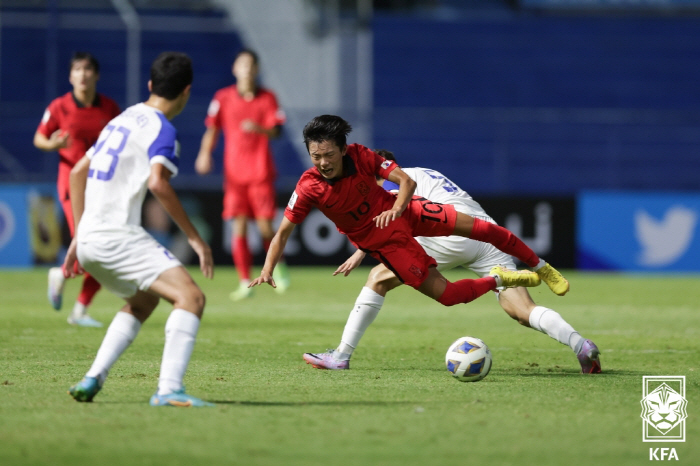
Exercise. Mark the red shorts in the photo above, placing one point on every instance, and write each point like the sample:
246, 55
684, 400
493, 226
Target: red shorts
64, 198
396, 247
254, 200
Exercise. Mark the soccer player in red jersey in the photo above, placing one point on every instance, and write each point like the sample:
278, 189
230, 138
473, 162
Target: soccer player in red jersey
71, 125
249, 117
342, 185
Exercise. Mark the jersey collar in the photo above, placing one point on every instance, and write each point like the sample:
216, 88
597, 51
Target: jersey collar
95, 102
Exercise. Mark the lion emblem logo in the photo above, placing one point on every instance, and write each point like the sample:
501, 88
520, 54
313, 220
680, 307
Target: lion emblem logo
664, 408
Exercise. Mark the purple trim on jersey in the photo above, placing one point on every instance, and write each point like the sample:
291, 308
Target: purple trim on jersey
390, 186
164, 144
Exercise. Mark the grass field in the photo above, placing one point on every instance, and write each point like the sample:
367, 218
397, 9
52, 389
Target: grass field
397, 405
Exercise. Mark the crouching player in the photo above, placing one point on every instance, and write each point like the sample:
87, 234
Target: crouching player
139, 150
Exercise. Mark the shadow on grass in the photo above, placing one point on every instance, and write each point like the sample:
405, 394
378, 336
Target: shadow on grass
567, 373
312, 403
272, 403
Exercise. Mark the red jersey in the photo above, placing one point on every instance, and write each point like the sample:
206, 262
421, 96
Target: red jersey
247, 156
84, 125
351, 201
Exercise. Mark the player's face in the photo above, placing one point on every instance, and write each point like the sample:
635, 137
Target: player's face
327, 157
245, 69
83, 76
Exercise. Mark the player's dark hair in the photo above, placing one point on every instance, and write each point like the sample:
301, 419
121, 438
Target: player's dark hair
171, 73
77, 56
249, 52
387, 154
327, 128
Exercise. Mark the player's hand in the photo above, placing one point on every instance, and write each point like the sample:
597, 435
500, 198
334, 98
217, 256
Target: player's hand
71, 266
265, 277
206, 261
204, 163
249, 126
382, 220
59, 139
352, 263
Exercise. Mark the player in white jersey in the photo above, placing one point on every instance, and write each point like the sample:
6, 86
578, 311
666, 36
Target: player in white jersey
449, 252
138, 150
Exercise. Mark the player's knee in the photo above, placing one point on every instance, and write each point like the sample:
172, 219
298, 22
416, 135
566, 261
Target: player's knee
381, 280
192, 299
199, 300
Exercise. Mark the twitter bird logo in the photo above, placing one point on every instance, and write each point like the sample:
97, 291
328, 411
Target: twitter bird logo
664, 241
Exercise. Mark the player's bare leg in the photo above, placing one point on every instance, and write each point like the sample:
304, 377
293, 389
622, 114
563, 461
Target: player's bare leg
242, 258
480, 230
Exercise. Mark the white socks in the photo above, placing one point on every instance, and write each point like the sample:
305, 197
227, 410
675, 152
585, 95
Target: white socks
363, 314
180, 334
120, 334
550, 322
79, 311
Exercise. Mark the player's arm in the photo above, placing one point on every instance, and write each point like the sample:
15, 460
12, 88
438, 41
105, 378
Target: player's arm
58, 140
159, 184
204, 163
78, 181
352, 263
249, 126
279, 241
406, 189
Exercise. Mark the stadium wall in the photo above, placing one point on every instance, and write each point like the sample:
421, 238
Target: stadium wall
520, 103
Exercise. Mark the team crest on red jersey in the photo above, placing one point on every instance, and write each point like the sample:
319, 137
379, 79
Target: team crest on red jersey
363, 188
416, 271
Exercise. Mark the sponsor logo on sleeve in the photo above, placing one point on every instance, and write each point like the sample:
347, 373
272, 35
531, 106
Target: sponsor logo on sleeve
292, 201
213, 109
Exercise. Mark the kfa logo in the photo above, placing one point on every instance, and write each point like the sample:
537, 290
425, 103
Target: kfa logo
664, 409
662, 454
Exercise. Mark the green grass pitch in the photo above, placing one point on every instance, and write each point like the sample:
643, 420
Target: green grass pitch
397, 405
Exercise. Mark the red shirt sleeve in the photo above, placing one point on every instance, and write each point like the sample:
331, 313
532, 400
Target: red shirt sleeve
213, 118
374, 162
50, 122
275, 116
299, 204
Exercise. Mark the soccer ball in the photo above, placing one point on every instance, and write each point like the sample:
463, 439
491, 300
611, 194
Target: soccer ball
468, 359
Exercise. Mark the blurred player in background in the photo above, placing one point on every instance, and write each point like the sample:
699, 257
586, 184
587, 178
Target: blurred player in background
249, 117
449, 252
139, 150
342, 184
71, 124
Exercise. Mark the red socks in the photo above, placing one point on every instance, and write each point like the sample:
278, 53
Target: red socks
242, 258
89, 289
464, 291
504, 240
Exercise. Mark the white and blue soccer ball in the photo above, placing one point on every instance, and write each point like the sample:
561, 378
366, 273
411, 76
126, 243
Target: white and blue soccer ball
468, 359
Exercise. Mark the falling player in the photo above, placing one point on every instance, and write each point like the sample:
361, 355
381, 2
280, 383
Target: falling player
449, 252
342, 185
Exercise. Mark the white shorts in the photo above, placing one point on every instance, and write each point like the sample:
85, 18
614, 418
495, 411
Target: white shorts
456, 251
125, 264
